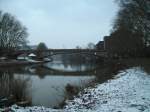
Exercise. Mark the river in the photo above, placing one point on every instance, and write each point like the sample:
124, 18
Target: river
45, 85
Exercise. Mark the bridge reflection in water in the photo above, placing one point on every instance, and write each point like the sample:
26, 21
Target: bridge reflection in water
46, 86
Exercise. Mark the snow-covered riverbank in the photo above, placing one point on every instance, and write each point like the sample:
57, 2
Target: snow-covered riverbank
129, 91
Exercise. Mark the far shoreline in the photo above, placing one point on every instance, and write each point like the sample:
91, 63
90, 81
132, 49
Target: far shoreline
16, 62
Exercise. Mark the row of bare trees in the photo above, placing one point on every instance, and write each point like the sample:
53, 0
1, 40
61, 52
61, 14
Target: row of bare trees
134, 15
131, 29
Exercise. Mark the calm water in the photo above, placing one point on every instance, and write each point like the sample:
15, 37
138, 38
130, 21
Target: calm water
45, 85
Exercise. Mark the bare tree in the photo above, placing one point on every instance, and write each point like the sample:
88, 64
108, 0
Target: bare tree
78, 47
91, 45
12, 33
134, 15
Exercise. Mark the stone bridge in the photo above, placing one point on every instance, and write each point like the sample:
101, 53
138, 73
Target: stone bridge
52, 52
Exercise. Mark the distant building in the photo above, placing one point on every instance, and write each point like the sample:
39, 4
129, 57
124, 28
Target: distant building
32, 55
107, 43
100, 45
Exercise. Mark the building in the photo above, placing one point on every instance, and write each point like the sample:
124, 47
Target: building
100, 45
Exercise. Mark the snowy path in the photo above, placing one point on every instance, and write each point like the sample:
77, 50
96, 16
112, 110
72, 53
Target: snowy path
129, 91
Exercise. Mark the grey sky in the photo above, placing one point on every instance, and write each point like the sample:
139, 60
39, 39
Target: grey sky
63, 23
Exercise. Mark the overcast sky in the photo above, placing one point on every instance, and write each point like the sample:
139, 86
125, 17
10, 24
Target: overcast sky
63, 23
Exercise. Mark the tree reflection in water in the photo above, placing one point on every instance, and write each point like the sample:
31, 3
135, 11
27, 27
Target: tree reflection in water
14, 89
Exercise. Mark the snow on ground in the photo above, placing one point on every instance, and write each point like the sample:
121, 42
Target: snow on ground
129, 91
16, 108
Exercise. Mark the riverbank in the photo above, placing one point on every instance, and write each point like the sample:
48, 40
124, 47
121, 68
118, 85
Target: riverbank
128, 91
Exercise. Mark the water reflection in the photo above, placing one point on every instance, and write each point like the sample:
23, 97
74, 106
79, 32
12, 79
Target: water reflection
13, 89
73, 62
52, 88
43, 86
46, 85
69, 67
